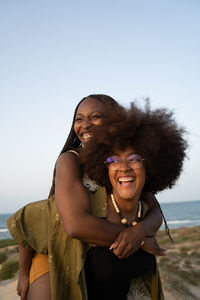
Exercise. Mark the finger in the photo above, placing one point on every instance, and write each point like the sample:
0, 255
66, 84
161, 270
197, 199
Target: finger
125, 247
159, 252
124, 250
18, 291
162, 252
129, 250
127, 253
116, 242
118, 251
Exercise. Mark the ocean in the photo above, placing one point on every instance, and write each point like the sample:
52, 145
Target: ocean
182, 214
179, 214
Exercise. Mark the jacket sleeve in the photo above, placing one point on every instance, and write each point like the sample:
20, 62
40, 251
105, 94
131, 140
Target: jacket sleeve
29, 226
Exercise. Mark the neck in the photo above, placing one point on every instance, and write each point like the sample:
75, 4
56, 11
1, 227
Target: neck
127, 206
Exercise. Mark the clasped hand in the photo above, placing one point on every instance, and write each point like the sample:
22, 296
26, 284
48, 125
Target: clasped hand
130, 240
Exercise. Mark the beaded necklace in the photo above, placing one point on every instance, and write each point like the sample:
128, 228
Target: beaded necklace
124, 220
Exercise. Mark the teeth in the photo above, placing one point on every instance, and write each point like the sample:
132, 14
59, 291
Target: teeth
126, 179
87, 135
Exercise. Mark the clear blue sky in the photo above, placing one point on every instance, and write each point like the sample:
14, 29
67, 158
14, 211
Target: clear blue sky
53, 53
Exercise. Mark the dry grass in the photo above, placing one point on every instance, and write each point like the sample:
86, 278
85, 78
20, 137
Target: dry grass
180, 269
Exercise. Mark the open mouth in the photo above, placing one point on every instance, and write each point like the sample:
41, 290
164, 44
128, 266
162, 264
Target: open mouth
126, 180
87, 135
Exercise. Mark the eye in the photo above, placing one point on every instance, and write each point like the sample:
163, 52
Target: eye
112, 160
78, 119
133, 160
95, 117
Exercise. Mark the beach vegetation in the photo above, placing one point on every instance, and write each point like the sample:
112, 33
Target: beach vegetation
181, 288
188, 263
195, 254
164, 260
3, 257
9, 269
184, 249
7, 242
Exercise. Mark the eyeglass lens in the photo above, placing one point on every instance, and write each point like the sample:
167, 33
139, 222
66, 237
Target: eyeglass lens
133, 161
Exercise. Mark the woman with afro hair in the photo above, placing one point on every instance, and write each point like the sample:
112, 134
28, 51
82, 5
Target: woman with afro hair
144, 152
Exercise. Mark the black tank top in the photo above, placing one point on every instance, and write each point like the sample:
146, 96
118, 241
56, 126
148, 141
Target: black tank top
108, 277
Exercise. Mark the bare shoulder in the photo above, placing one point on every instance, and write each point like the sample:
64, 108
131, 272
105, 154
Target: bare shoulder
68, 162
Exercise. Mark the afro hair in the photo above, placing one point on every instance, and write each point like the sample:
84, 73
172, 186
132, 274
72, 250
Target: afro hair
153, 134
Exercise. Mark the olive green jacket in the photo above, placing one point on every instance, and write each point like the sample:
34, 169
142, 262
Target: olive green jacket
38, 226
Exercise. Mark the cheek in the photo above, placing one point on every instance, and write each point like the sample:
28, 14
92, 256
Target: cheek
143, 177
76, 128
111, 176
99, 122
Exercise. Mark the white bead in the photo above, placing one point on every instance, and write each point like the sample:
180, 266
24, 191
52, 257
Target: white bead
123, 221
134, 223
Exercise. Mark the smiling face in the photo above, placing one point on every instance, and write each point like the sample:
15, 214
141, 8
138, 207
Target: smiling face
91, 112
127, 183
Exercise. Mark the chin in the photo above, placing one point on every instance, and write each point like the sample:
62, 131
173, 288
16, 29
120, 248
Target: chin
127, 195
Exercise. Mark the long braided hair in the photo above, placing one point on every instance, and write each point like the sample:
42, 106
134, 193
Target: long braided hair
72, 139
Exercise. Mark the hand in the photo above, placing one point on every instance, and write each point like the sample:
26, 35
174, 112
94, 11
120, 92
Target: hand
151, 246
128, 241
23, 286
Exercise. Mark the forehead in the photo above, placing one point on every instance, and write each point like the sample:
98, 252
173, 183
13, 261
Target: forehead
89, 105
123, 153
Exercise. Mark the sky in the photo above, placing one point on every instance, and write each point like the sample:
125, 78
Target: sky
53, 53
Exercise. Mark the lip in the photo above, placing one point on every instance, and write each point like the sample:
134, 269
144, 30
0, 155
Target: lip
126, 180
86, 135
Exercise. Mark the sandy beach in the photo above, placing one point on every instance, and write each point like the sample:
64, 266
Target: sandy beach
8, 290
179, 270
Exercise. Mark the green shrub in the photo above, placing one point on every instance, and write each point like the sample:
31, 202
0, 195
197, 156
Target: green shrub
185, 238
7, 242
3, 257
9, 269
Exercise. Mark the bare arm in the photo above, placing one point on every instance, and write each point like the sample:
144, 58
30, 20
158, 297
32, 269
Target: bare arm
25, 260
151, 246
73, 205
153, 220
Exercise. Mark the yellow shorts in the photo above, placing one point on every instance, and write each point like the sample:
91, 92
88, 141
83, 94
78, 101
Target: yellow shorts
39, 266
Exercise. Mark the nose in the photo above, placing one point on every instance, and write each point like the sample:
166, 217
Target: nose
124, 165
86, 123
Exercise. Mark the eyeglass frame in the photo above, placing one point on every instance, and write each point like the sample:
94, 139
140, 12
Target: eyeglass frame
126, 160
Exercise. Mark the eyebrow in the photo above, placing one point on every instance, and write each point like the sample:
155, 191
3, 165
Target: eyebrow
132, 153
96, 111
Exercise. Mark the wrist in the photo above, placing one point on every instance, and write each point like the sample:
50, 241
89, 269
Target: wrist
24, 269
141, 229
147, 232
24, 274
